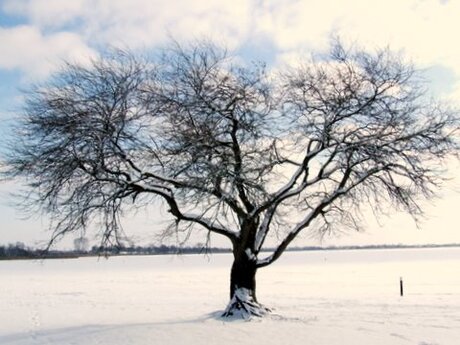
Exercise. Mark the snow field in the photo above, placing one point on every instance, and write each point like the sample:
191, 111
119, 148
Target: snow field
325, 297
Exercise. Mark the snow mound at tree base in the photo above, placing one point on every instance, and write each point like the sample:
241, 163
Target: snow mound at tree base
244, 306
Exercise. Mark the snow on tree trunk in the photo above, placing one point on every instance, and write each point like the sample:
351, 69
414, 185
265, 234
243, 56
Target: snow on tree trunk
243, 301
243, 305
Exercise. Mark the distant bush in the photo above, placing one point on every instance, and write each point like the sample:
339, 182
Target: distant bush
17, 250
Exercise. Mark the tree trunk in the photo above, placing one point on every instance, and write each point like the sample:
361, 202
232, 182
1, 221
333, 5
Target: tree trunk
243, 301
243, 275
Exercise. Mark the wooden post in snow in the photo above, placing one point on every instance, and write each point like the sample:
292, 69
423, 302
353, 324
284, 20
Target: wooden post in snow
401, 287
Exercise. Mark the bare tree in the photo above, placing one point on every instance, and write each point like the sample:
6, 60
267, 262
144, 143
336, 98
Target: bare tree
231, 148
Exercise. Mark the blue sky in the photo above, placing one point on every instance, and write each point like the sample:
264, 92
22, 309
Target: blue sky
36, 35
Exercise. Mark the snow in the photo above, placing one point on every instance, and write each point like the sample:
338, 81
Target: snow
325, 297
250, 255
242, 306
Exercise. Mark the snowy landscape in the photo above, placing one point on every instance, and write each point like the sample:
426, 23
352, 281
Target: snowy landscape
317, 297
266, 125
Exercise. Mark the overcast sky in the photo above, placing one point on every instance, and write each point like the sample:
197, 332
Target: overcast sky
36, 35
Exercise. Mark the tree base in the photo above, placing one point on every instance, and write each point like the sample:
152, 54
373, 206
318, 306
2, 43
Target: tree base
244, 306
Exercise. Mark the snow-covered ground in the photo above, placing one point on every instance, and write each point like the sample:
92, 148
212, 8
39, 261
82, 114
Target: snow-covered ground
326, 297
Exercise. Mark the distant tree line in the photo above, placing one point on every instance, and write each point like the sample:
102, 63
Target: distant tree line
17, 249
20, 251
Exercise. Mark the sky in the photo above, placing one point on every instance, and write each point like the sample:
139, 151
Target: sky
37, 35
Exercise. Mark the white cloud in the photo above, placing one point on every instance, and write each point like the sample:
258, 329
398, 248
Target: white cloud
425, 29
27, 49
67, 29
138, 22
47, 13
